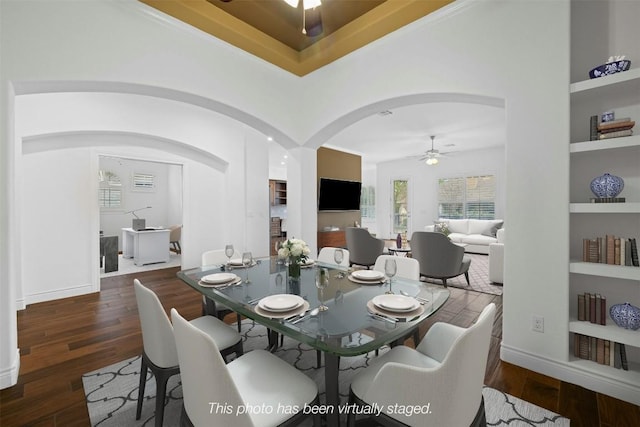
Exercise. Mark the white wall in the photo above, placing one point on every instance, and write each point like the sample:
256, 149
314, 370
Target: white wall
423, 184
492, 48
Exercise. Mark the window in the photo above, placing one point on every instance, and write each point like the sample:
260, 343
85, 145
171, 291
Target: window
110, 197
368, 202
143, 181
400, 206
469, 197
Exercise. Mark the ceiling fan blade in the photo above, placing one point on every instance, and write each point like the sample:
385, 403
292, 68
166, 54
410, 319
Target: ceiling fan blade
312, 22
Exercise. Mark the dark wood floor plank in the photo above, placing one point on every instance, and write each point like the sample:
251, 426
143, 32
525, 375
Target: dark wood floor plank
62, 340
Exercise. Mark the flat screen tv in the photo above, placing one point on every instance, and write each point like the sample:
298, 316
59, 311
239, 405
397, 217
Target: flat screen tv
338, 195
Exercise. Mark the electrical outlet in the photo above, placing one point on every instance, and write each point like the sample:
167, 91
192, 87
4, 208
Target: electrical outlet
537, 324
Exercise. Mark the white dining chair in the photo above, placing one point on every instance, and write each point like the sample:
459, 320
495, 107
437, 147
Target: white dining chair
326, 256
446, 372
258, 379
409, 268
209, 306
159, 349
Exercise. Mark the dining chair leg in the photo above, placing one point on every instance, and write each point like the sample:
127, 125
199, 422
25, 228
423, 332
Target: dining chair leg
318, 359
466, 276
351, 416
142, 384
161, 375
239, 321
444, 282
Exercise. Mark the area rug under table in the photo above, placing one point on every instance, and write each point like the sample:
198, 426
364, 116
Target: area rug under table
111, 392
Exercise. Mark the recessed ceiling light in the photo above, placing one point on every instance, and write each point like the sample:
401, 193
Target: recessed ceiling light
269, 138
286, 157
282, 163
385, 113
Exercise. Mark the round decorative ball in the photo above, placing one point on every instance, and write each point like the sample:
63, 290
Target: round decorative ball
607, 185
625, 315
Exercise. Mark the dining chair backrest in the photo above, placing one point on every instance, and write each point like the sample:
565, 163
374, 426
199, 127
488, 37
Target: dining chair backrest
451, 378
216, 256
175, 232
205, 378
157, 331
407, 268
465, 362
326, 256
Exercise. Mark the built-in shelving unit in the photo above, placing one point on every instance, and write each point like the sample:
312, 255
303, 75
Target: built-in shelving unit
278, 192
619, 93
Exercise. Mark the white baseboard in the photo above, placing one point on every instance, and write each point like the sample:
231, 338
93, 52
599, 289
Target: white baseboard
59, 293
572, 373
9, 375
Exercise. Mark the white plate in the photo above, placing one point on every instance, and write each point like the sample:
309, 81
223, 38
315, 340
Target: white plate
236, 262
367, 275
365, 282
281, 302
281, 314
218, 278
399, 303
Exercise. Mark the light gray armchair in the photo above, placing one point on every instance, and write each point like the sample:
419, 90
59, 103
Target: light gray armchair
438, 256
364, 249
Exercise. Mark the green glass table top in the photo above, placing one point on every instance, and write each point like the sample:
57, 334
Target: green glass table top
347, 328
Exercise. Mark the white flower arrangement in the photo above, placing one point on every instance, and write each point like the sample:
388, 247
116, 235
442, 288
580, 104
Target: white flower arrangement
295, 250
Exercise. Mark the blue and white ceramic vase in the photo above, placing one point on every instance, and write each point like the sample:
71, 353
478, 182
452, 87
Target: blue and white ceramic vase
625, 315
607, 185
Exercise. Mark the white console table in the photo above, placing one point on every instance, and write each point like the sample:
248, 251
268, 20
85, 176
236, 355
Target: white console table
145, 246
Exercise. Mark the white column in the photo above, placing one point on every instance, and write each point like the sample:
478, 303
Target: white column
302, 188
10, 265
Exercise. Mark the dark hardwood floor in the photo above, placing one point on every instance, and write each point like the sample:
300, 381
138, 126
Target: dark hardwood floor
63, 339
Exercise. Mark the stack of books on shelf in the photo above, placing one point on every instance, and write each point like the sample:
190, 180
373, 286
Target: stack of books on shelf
600, 351
610, 129
593, 308
611, 250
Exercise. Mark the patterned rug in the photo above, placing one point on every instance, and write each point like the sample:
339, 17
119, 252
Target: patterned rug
478, 276
111, 392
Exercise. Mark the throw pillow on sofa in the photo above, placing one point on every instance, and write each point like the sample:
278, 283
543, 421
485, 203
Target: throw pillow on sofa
492, 232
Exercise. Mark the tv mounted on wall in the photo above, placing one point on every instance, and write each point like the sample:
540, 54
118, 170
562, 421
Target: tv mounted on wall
338, 195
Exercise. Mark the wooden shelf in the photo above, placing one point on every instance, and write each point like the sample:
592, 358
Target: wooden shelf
624, 142
630, 377
626, 80
605, 270
630, 207
611, 332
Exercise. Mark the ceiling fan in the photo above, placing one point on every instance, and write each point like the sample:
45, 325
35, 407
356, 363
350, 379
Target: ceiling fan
311, 19
431, 156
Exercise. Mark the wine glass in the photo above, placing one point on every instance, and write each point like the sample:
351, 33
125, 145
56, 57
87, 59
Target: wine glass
390, 269
247, 259
322, 282
277, 246
229, 251
338, 257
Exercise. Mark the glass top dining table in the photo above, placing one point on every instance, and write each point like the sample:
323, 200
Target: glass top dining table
351, 325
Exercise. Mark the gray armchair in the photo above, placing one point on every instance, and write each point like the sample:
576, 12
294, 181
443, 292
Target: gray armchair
438, 256
363, 248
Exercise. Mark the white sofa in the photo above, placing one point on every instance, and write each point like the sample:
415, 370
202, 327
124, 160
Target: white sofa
496, 259
477, 234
